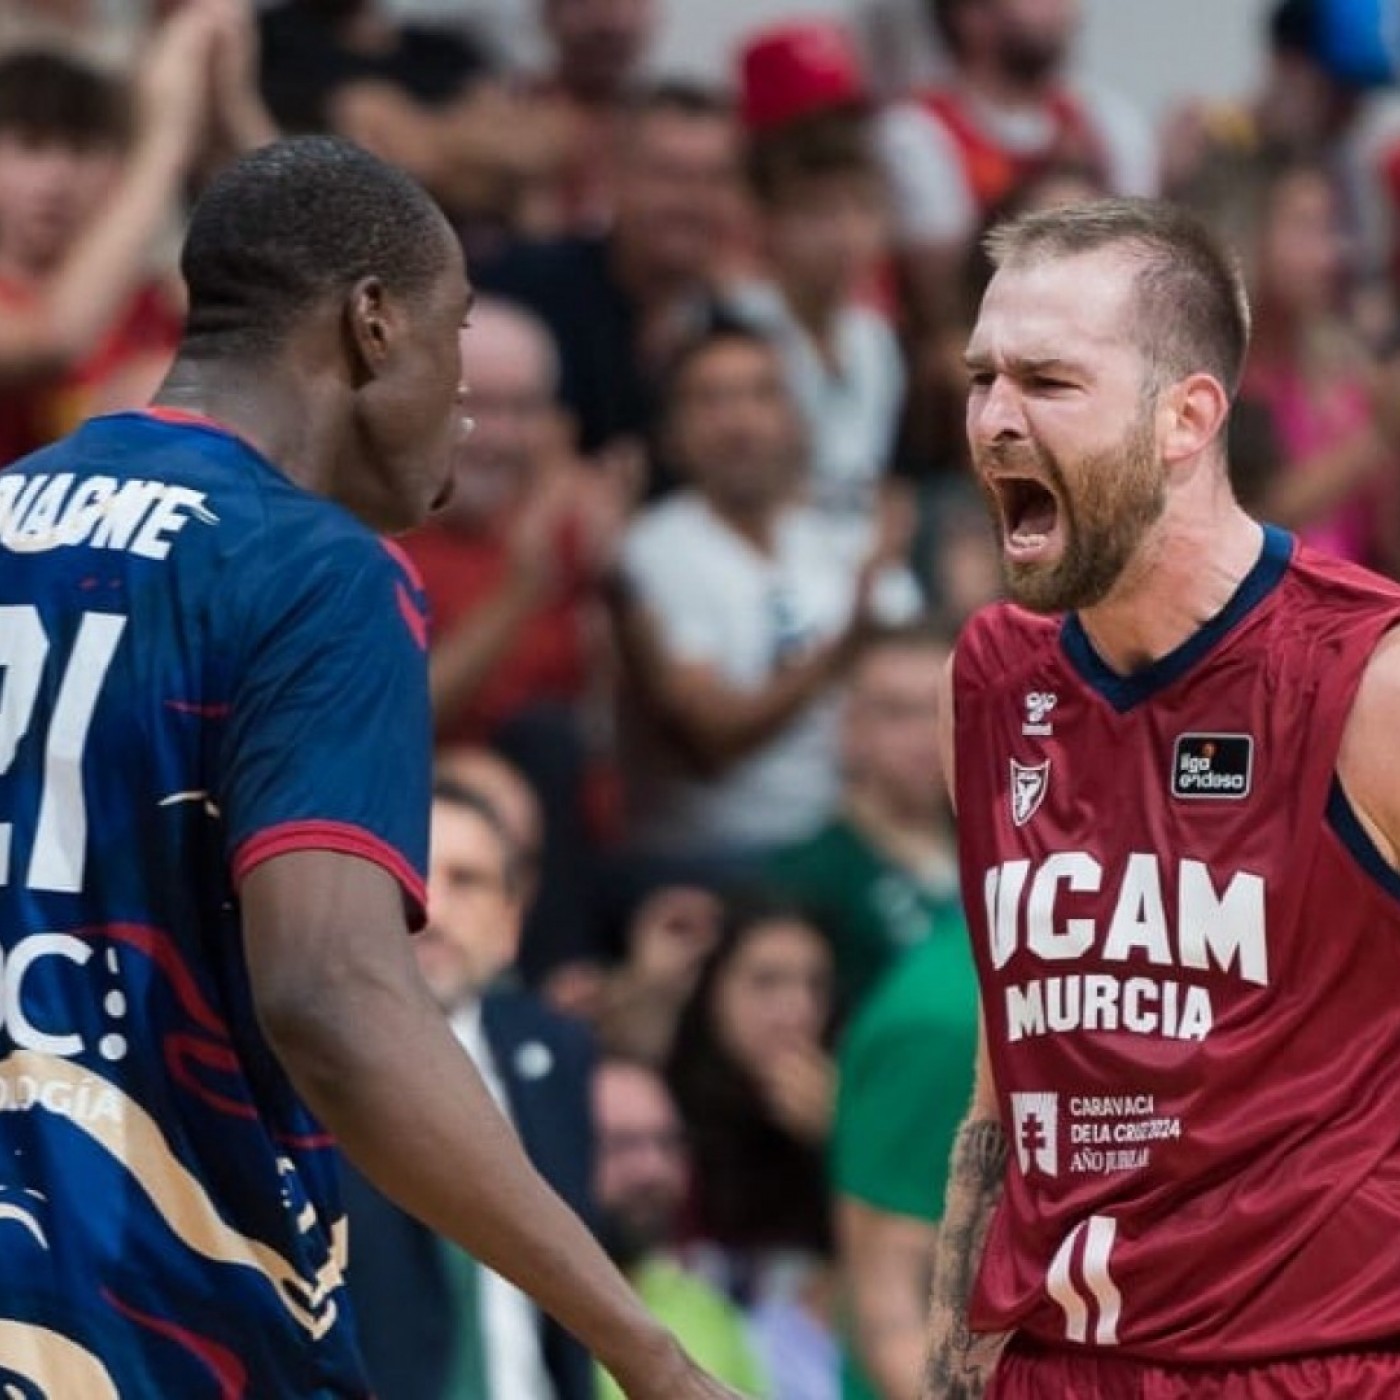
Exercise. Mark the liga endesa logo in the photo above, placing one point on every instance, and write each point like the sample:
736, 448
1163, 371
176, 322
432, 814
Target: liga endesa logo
1213, 766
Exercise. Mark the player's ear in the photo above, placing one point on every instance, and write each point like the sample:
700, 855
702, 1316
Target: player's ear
1191, 414
369, 327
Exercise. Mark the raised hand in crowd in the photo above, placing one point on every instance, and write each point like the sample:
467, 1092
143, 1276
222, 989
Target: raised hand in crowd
86, 277
239, 120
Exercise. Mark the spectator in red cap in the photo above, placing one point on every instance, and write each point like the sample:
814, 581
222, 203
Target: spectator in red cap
798, 70
820, 204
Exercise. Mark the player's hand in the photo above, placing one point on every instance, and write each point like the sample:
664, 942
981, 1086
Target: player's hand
682, 1381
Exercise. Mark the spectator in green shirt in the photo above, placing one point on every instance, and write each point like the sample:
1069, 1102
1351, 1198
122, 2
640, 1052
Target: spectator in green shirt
905, 1082
881, 876
641, 1182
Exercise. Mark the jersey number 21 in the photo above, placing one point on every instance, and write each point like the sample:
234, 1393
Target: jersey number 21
60, 833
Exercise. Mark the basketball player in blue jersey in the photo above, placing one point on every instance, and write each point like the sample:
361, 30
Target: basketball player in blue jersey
213, 812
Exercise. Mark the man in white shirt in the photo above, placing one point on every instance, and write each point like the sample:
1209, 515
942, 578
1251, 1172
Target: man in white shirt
434, 1325
740, 607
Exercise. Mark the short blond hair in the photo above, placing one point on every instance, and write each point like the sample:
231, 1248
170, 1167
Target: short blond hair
1192, 310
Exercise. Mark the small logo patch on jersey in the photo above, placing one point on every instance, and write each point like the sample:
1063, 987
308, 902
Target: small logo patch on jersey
1035, 1123
1029, 783
1213, 765
1039, 704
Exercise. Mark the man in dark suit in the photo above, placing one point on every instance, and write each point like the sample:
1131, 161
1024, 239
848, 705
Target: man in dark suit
433, 1324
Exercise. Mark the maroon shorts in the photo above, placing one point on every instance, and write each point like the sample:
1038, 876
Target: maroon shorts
1026, 1373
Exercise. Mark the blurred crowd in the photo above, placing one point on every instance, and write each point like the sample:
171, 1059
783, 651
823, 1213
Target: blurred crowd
694, 892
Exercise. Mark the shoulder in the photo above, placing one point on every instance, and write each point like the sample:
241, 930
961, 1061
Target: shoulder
1368, 765
316, 547
998, 643
315, 572
1336, 606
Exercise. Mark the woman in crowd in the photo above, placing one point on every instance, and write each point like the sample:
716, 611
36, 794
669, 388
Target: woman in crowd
751, 1071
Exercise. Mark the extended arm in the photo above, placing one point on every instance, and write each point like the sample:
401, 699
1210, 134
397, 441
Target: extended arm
344, 1008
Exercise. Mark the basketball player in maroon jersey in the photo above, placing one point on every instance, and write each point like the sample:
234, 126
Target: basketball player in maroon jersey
1178, 785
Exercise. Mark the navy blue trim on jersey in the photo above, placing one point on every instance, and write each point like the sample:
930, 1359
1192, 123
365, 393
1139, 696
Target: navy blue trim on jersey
1346, 825
1123, 692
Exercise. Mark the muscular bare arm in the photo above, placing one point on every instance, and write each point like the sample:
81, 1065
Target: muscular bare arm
960, 1364
342, 1004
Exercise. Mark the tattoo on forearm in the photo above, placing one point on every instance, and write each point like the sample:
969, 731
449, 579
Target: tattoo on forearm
959, 1363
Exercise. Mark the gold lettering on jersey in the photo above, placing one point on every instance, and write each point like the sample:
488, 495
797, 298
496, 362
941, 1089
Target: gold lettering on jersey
43, 512
1045, 912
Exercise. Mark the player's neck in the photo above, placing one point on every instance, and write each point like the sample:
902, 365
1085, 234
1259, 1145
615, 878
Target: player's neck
1182, 578
266, 409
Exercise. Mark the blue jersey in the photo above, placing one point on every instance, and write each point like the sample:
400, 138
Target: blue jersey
201, 666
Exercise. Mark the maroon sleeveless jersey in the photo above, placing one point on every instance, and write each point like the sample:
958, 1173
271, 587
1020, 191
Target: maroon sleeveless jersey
1189, 952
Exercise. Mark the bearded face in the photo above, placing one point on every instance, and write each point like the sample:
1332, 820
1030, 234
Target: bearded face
1034, 37
1071, 526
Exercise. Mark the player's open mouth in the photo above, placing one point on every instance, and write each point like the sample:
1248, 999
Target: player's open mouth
1030, 513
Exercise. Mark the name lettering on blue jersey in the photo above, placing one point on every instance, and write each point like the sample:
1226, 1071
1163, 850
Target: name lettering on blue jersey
41, 512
